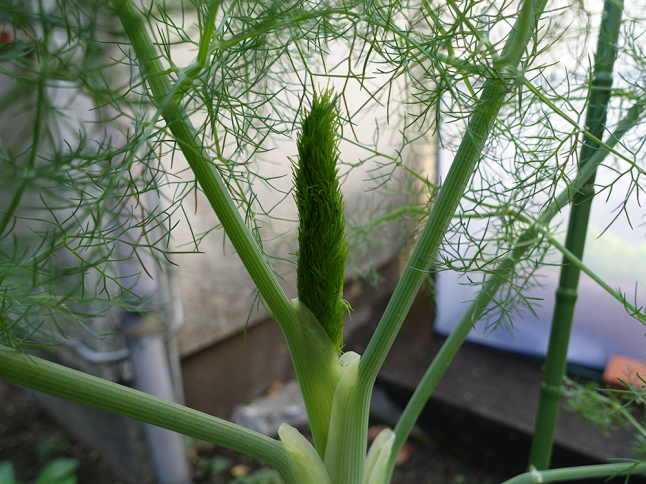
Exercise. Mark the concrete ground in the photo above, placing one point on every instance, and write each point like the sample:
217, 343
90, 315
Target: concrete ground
484, 407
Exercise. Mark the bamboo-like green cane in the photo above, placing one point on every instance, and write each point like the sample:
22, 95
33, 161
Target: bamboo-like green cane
566, 294
493, 283
76, 386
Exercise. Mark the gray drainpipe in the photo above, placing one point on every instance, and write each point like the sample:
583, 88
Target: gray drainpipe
153, 354
147, 345
146, 334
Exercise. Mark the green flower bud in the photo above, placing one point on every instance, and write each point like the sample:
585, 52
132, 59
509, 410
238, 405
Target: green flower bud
321, 233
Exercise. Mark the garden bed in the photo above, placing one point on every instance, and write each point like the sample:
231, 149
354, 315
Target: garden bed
30, 439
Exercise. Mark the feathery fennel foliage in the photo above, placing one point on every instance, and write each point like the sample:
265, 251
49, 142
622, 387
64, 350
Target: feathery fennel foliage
482, 77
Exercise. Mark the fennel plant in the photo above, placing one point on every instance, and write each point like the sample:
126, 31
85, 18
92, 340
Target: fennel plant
484, 66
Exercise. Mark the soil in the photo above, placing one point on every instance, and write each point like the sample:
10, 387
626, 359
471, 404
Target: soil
30, 439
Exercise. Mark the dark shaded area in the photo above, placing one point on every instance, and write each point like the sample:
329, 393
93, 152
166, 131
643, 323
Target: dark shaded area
479, 419
31, 439
496, 448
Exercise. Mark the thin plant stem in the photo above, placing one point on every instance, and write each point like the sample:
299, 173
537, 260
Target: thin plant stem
566, 294
618, 407
205, 40
582, 472
498, 277
584, 132
633, 310
76, 386
31, 161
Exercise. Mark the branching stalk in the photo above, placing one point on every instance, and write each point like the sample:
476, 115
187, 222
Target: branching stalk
493, 283
205, 170
238, 62
210, 180
634, 311
468, 155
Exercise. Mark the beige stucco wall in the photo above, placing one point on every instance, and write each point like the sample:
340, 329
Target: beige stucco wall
216, 291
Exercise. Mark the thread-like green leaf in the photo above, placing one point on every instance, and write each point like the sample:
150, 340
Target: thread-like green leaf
321, 234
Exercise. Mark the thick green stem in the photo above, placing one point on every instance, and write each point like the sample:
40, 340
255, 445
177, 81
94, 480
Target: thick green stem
203, 167
216, 192
453, 188
79, 387
493, 95
494, 282
429, 241
574, 473
338, 454
566, 294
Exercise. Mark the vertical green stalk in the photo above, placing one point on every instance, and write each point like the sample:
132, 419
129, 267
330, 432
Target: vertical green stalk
566, 294
206, 173
418, 265
208, 27
321, 233
480, 124
462, 168
39, 122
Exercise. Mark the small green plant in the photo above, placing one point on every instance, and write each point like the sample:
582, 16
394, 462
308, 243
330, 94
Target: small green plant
483, 67
610, 408
52, 448
58, 471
